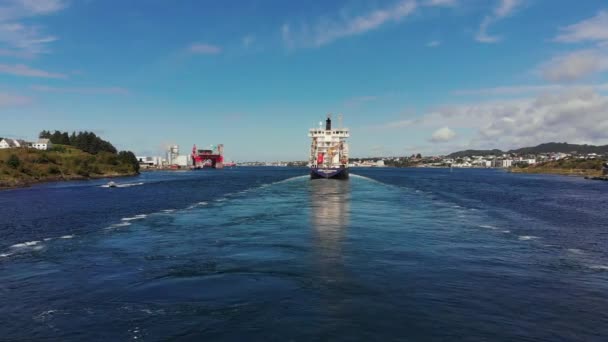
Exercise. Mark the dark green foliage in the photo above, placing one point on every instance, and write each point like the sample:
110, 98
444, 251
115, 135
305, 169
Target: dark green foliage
13, 161
58, 148
54, 170
85, 141
129, 158
101, 155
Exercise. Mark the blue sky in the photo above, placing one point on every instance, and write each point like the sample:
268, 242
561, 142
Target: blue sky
409, 76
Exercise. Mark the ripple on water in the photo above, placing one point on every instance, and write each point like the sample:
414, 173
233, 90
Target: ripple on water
599, 267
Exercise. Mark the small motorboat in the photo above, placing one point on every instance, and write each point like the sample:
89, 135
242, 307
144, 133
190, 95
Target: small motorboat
112, 185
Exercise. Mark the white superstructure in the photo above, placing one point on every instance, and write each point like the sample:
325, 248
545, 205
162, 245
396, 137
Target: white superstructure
328, 148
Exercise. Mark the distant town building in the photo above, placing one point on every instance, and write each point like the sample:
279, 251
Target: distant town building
147, 162
13, 143
42, 144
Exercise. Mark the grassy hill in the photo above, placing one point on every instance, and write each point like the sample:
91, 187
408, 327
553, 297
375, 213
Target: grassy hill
571, 166
468, 153
554, 147
25, 166
551, 147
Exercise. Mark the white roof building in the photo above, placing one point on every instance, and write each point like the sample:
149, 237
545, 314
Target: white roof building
13, 143
42, 144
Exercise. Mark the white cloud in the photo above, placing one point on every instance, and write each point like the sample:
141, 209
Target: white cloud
577, 115
572, 114
9, 100
24, 70
592, 29
440, 2
433, 43
443, 134
504, 9
82, 90
14, 53
17, 9
26, 39
326, 31
204, 49
575, 65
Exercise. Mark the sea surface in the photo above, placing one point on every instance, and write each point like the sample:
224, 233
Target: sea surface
266, 254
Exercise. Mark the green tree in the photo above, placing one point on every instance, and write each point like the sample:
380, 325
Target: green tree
127, 157
65, 138
13, 161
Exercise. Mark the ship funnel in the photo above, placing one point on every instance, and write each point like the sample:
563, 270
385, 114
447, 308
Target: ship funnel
328, 123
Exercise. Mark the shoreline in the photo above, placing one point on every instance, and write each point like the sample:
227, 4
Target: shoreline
561, 172
29, 183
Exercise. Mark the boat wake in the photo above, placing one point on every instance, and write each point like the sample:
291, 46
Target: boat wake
124, 185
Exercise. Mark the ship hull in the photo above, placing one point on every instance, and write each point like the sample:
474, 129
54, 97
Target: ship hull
329, 173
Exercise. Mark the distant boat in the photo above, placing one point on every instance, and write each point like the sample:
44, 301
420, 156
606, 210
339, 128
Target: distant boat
328, 152
112, 185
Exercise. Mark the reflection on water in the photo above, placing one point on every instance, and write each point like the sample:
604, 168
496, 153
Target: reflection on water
329, 205
330, 202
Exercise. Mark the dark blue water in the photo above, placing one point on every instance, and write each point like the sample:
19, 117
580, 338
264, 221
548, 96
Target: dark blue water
267, 254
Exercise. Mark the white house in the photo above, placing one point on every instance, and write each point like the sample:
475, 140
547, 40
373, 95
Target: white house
12, 143
4, 143
42, 144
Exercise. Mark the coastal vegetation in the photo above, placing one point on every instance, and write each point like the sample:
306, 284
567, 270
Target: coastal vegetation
86, 156
85, 141
568, 166
552, 147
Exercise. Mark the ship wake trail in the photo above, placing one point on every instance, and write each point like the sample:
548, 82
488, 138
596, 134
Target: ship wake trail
368, 179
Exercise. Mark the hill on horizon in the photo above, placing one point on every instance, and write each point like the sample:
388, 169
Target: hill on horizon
552, 147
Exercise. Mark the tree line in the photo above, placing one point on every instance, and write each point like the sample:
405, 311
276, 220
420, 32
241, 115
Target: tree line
85, 141
89, 142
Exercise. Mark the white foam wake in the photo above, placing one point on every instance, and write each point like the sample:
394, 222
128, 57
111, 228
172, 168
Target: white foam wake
124, 185
25, 244
366, 178
528, 237
118, 225
136, 217
487, 226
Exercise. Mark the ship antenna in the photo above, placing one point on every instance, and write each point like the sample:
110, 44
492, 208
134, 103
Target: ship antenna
340, 121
